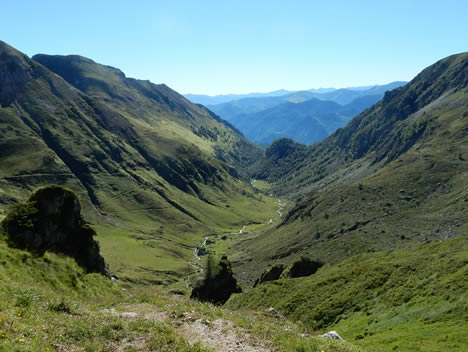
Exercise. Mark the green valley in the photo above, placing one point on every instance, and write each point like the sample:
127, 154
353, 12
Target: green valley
364, 232
155, 173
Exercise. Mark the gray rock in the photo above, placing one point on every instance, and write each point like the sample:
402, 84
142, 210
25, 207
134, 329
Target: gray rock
275, 313
333, 335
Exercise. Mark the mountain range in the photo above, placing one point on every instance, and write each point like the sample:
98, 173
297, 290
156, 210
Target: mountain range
224, 98
304, 116
385, 180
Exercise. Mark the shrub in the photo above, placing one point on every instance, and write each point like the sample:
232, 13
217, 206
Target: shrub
218, 283
304, 267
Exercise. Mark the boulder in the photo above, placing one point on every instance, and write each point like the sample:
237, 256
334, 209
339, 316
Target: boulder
274, 273
333, 335
275, 313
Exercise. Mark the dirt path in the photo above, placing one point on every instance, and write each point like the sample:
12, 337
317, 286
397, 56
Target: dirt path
221, 336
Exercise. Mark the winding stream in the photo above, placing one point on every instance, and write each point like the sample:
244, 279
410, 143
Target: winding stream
195, 261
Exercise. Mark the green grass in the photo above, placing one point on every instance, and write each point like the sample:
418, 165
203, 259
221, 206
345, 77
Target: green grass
415, 298
262, 185
48, 303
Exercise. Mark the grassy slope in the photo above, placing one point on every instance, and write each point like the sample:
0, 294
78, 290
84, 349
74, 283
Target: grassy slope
408, 299
48, 303
154, 173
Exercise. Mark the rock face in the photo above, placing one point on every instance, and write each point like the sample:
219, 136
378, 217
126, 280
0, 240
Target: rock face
16, 69
51, 221
219, 283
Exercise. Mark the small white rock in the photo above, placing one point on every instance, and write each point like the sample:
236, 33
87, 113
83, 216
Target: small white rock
333, 335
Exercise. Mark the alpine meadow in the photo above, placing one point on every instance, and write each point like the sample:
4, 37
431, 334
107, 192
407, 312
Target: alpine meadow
307, 193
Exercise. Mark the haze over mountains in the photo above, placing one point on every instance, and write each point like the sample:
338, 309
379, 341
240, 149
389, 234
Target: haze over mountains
263, 118
380, 204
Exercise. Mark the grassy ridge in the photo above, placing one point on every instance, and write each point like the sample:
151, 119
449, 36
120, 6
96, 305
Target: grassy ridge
409, 299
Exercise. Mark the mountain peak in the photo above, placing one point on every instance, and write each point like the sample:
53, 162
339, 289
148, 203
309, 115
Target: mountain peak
15, 71
80, 71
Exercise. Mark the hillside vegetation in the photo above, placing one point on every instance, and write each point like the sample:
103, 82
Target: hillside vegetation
366, 235
407, 300
48, 303
154, 172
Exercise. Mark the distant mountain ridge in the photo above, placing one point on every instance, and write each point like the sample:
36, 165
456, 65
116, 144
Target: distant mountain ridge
205, 99
302, 116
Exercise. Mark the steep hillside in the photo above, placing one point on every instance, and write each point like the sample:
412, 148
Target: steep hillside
395, 176
147, 164
48, 303
406, 300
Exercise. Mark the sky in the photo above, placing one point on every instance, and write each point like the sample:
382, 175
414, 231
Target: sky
220, 47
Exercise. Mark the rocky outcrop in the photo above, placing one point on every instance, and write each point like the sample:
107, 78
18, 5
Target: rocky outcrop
51, 221
16, 69
332, 335
300, 268
274, 273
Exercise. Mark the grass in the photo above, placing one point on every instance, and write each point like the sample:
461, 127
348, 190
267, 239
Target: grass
48, 303
407, 299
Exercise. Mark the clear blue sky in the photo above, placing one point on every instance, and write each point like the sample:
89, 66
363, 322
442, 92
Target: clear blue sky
238, 46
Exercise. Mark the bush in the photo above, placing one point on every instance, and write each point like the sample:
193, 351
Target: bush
304, 267
218, 284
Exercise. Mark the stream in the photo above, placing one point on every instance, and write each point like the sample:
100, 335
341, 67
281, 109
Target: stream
195, 262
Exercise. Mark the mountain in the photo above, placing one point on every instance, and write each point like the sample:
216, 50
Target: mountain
352, 92
347, 95
153, 171
223, 98
393, 177
304, 116
306, 122
383, 203
342, 96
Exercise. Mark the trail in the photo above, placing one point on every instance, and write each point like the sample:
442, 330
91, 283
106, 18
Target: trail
219, 334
